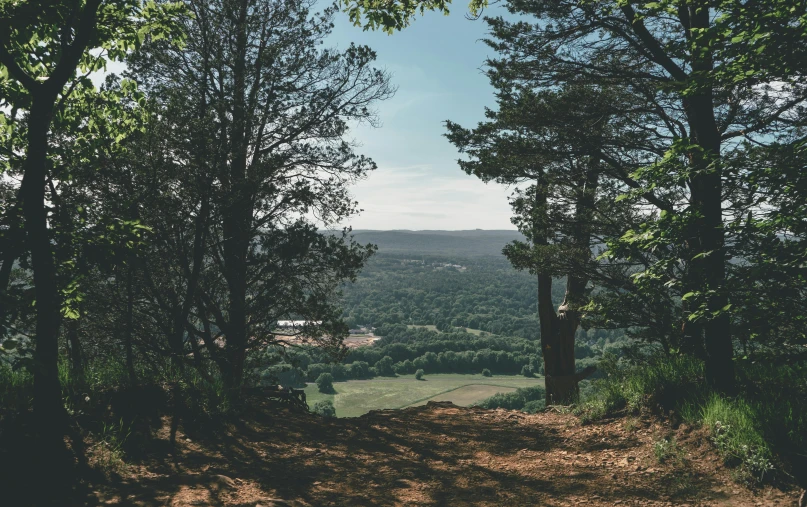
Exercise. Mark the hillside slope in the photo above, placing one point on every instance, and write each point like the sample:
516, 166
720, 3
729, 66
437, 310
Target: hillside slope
438, 455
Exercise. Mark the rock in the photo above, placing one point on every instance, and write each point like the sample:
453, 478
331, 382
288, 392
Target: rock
222, 481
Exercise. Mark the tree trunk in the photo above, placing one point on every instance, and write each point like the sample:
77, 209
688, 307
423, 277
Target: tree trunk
237, 220
558, 347
15, 236
48, 408
708, 262
74, 342
130, 322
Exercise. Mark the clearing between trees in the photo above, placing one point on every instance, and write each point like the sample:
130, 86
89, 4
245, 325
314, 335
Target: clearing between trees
438, 454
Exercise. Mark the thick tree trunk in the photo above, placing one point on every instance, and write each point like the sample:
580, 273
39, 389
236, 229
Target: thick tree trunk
48, 408
237, 221
709, 262
558, 347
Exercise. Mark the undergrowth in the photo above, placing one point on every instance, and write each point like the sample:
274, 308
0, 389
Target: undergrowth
751, 431
527, 399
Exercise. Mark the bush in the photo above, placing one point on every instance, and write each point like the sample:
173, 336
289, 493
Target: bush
486, 373
659, 382
526, 370
534, 406
529, 399
325, 383
419, 374
324, 408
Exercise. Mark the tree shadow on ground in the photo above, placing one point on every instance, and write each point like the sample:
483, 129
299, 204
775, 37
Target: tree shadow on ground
437, 454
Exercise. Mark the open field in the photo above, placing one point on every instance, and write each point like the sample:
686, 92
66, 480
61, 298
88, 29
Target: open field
357, 397
466, 395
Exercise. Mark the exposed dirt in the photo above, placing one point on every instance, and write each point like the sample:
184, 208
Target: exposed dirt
438, 454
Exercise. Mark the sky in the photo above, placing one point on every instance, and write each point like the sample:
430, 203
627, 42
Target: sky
436, 66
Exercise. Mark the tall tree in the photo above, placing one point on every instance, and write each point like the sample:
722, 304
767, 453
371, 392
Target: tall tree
42, 47
553, 140
274, 157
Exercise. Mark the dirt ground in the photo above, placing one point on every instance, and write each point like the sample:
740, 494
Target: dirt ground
438, 454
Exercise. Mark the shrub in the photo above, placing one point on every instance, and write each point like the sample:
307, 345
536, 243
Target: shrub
324, 408
419, 374
664, 382
325, 383
526, 370
486, 373
517, 400
666, 449
534, 406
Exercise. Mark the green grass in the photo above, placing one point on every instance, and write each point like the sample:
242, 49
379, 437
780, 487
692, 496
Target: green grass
356, 397
752, 430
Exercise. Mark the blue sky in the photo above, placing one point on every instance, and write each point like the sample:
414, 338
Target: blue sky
435, 63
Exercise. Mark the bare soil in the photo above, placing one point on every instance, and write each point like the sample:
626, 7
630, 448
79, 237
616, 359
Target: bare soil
438, 454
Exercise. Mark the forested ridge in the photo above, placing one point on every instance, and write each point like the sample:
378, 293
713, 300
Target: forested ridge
157, 230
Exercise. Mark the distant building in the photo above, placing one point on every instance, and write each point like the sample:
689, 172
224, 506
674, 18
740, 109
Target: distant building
297, 323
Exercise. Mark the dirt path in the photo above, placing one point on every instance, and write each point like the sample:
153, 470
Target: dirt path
439, 455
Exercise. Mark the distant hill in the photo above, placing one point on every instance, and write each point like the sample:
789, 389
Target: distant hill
475, 243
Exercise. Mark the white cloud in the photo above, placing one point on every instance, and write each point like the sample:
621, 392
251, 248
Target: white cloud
418, 197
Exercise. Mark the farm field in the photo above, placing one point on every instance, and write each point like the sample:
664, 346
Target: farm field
357, 397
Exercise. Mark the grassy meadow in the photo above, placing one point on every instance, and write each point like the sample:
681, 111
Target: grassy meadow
356, 397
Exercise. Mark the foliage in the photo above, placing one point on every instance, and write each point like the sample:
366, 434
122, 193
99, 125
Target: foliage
419, 374
324, 408
325, 383
108, 450
527, 399
384, 367
390, 16
646, 383
737, 434
486, 372
666, 449
766, 420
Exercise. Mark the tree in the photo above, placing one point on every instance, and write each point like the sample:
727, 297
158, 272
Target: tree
274, 153
384, 367
325, 383
681, 62
486, 373
419, 374
42, 46
555, 140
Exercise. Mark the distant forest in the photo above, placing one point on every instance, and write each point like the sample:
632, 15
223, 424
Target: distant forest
418, 283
